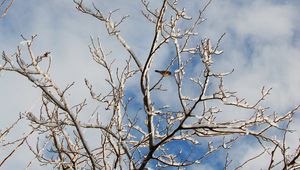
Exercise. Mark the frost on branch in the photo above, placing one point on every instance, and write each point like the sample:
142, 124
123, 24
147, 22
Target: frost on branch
144, 130
207, 51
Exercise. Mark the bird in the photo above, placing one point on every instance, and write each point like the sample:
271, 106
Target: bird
164, 73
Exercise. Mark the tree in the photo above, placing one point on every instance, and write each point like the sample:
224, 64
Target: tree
3, 3
142, 131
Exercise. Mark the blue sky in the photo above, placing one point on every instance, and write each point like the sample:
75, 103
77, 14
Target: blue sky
262, 44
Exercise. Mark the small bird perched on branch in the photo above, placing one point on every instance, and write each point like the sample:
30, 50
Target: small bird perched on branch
164, 73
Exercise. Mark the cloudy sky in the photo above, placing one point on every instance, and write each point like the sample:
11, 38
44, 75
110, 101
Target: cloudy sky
262, 44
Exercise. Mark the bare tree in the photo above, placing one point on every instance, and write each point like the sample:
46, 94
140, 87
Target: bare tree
5, 5
146, 138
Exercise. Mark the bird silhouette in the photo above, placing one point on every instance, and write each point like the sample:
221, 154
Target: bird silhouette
164, 73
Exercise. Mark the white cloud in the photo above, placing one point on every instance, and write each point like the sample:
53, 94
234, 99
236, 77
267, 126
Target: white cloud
259, 45
202, 166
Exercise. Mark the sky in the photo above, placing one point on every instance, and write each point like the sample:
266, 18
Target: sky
262, 44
